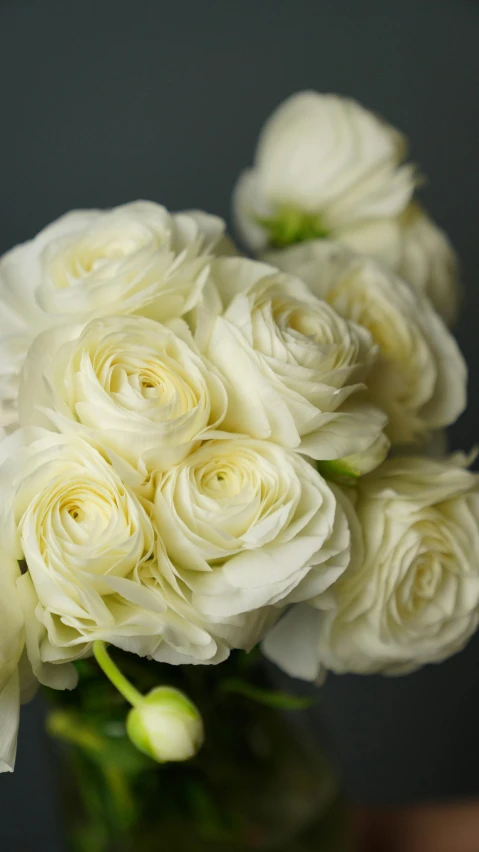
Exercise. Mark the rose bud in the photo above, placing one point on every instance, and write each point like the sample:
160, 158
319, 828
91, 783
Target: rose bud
166, 725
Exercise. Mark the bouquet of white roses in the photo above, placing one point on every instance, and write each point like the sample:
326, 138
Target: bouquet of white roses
204, 452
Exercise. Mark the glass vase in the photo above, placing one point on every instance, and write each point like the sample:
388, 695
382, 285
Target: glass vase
257, 784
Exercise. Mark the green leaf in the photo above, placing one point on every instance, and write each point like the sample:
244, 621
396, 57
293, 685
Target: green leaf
269, 698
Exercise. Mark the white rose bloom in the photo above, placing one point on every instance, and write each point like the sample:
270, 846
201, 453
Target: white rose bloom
12, 641
414, 597
134, 259
327, 168
428, 262
324, 166
296, 370
138, 387
420, 375
20, 632
20, 665
249, 525
419, 251
78, 528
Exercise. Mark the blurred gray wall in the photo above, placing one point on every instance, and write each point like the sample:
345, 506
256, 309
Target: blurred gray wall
103, 102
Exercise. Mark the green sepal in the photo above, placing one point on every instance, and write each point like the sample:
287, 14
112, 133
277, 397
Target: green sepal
338, 471
290, 225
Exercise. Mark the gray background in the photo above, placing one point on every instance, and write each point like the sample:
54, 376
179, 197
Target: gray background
104, 102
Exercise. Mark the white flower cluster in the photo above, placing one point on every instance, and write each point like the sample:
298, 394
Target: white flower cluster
195, 442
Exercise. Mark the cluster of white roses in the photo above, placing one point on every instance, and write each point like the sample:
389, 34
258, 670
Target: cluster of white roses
195, 442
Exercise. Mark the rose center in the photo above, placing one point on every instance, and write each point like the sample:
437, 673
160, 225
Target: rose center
426, 579
76, 512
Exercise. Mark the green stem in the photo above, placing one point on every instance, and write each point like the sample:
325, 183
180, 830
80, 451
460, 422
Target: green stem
70, 729
114, 674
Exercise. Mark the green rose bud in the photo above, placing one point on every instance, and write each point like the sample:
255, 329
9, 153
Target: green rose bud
166, 725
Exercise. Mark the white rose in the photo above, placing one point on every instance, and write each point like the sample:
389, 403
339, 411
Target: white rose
414, 597
21, 668
12, 641
419, 251
20, 632
20, 665
68, 515
420, 376
138, 387
134, 259
324, 166
296, 370
96, 564
428, 262
411, 595
248, 525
